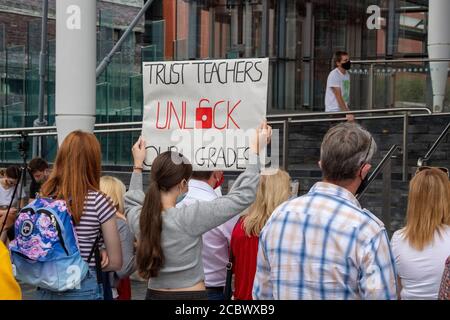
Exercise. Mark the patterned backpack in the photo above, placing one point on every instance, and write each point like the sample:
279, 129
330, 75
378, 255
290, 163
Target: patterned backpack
45, 250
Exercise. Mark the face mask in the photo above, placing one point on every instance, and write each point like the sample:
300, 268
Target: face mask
181, 197
219, 182
347, 65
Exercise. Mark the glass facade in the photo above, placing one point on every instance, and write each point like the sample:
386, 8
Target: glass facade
299, 37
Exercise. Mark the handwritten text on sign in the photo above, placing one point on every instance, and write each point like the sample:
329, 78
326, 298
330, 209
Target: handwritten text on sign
204, 109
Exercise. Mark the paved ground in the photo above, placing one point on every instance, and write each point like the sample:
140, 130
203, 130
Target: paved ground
138, 290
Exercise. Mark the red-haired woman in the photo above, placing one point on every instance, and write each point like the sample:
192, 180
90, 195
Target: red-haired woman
75, 178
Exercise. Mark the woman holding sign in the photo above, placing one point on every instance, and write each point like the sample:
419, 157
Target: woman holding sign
169, 252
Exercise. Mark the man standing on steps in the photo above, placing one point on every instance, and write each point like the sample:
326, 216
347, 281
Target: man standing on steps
337, 95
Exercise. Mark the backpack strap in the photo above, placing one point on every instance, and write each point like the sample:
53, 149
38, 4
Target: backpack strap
228, 290
98, 261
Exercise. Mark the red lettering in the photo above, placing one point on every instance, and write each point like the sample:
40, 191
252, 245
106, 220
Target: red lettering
229, 114
157, 117
184, 115
206, 116
214, 116
172, 109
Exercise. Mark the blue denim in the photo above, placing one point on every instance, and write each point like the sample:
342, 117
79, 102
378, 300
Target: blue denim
107, 291
215, 295
89, 290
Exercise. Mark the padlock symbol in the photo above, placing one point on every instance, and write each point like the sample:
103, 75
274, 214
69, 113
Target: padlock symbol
203, 117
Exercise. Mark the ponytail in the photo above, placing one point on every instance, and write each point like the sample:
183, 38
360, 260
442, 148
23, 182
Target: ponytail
165, 174
149, 255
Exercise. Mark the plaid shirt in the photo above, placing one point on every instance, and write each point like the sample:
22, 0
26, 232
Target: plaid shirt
323, 245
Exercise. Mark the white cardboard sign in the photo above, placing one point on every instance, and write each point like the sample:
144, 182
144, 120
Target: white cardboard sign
204, 109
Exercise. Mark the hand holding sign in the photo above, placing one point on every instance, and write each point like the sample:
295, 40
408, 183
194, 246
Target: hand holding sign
262, 137
139, 152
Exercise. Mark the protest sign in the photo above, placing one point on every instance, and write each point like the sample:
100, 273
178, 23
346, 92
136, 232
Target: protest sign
204, 109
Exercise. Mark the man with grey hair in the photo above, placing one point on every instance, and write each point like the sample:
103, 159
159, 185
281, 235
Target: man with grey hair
323, 245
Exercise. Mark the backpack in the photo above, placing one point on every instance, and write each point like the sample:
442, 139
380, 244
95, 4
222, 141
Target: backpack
45, 250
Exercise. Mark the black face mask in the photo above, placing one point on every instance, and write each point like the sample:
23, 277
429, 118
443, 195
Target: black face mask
347, 65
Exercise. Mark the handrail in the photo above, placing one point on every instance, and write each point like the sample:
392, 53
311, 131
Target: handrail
375, 172
288, 117
399, 60
317, 114
423, 161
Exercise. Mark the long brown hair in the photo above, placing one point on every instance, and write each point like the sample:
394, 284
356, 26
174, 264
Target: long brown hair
274, 188
75, 172
428, 207
168, 170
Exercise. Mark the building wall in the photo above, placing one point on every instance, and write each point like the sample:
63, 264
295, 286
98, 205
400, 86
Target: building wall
129, 3
16, 15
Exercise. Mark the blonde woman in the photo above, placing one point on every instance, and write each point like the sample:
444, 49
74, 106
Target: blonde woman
421, 248
120, 281
273, 190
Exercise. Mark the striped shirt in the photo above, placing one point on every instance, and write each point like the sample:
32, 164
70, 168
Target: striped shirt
323, 245
98, 209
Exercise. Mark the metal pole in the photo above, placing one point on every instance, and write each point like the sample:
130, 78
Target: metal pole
265, 28
370, 93
107, 60
438, 47
40, 121
248, 29
386, 196
405, 146
285, 143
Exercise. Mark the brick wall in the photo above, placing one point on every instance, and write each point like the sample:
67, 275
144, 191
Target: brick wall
16, 14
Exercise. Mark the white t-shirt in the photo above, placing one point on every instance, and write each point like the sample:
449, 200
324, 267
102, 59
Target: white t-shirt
6, 194
421, 272
337, 80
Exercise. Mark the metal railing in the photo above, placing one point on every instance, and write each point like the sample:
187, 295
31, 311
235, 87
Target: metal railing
372, 64
284, 119
385, 167
423, 161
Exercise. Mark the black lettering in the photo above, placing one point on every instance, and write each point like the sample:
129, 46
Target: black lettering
182, 72
156, 150
173, 73
231, 157
216, 70
160, 68
198, 70
238, 72
202, 163
228, 70
244, 157
210, 157
208, 73
259, 70
248, 67
151, 73
221, 155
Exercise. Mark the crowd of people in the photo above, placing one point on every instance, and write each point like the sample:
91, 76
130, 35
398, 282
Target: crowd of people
189, 241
